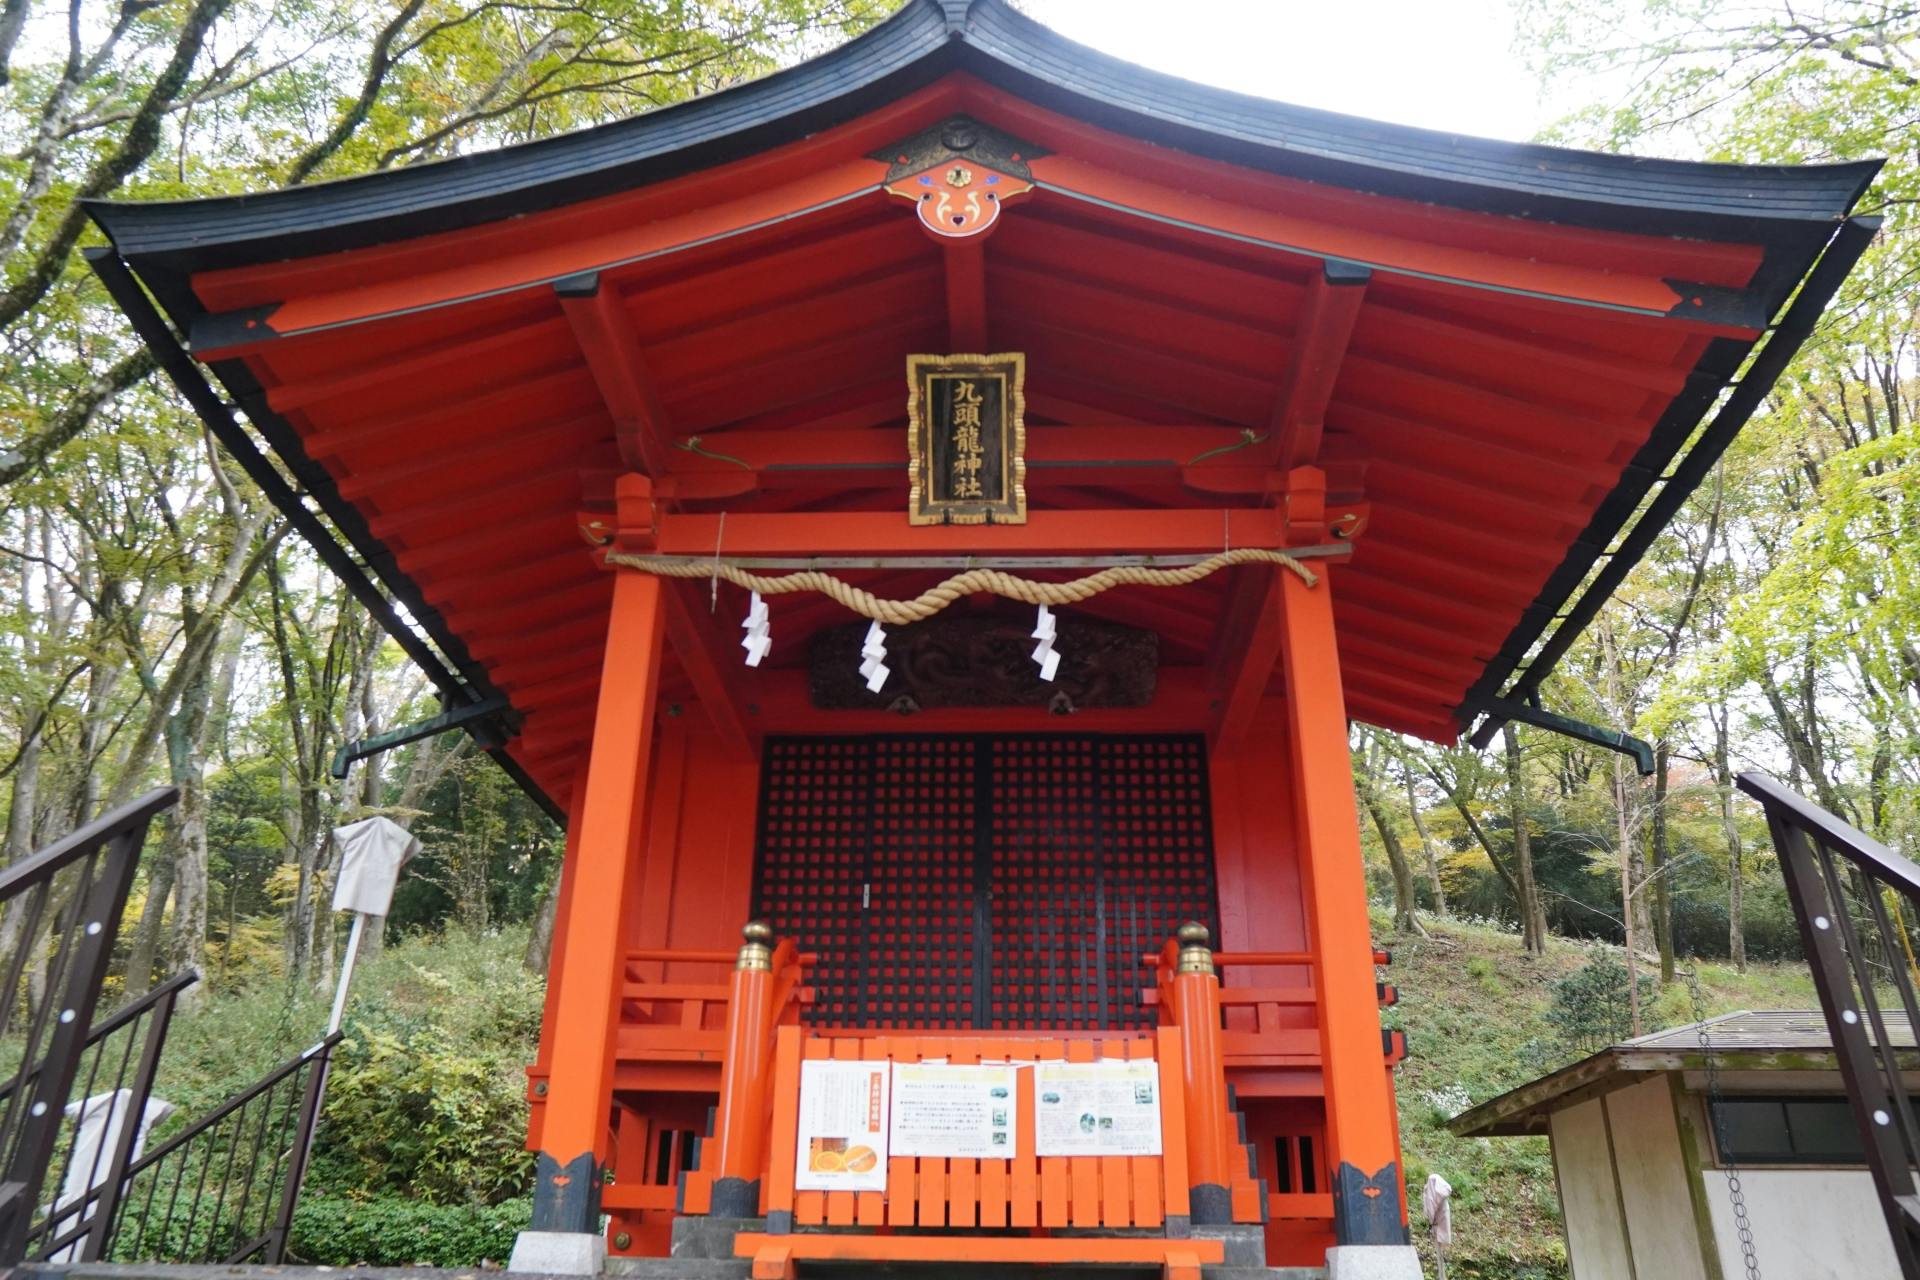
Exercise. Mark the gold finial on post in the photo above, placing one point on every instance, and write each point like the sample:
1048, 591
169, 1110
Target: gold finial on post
1195, 955
757, 951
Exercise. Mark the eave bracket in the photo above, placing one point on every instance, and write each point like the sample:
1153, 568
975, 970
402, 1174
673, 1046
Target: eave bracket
489, 736
1499, 710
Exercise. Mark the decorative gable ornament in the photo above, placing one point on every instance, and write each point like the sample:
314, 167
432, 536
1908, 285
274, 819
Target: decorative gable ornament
958, 175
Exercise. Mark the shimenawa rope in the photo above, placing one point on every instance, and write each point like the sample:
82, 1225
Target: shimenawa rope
934, 599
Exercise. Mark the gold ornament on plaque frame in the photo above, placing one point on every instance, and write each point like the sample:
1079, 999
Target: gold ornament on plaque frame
967, 439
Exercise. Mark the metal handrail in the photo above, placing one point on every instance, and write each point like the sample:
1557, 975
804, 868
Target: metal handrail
63, 905
1835, 876
289, 1137
233, 1104
1846, 839
113, 1022
69, 849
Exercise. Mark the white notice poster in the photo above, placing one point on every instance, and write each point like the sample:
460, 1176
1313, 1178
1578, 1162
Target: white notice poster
1107, 1108
955, 1111
843, 1126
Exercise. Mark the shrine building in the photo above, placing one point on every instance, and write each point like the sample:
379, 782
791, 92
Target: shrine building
945, 503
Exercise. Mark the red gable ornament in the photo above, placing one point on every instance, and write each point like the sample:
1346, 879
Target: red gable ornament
958, 174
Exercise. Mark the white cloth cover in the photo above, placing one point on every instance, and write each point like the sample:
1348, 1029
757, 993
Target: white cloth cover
372, 851
99, 1119
1437, 1199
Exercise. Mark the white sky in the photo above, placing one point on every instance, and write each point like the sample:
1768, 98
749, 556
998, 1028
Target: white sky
1441, 64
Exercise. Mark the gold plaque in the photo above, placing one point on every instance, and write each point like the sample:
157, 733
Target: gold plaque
967, 439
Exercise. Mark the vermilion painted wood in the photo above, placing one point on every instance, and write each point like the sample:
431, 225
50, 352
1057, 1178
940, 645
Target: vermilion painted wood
615, 803
1446, 395
593, 220
608, 340
1360, 241
1689, 260
1319, 349
1359, 1109
537, 260
884, 533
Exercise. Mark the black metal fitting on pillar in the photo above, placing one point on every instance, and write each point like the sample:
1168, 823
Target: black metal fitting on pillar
1367, 1207
566, 1197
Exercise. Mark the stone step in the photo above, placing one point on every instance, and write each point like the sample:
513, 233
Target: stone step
728, 1269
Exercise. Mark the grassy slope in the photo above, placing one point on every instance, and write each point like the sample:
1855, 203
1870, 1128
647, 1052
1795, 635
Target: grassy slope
1473, 1004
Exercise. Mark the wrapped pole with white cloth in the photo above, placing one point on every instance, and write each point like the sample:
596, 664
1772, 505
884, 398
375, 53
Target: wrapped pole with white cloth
372, 851
1437, 1199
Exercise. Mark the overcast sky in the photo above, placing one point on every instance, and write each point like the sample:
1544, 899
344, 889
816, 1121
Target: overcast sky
1443, 64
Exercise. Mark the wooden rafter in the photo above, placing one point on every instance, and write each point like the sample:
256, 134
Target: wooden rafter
1319, 348
612, 349
1245, 649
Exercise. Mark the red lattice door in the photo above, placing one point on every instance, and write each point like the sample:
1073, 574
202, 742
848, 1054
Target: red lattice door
984, 881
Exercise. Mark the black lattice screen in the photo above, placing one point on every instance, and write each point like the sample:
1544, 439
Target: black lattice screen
984, 881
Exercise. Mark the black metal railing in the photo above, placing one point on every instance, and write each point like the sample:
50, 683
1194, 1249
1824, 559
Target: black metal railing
105, 1125
225, 1188
60, 913
1852, 897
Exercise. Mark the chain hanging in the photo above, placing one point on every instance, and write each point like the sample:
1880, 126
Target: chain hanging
1736, 1194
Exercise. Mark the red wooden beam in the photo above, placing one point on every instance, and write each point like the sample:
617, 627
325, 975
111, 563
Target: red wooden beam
1119, 532
607, 339
1245, 650
1319, 348
966, 295
1115, 195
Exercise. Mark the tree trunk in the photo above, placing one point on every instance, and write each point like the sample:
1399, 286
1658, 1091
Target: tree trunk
1426, 843
540, 942
1404, 920
1627, 889
1533, 917
1730, 830
146, 932
188, 736
1662, 906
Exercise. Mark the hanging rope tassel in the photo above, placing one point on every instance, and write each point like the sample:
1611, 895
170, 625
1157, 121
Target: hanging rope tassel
898, 613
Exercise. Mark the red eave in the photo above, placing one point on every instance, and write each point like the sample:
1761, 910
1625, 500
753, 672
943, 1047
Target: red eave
1497, 376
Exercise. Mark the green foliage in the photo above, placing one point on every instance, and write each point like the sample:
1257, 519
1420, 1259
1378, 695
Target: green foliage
429, 1096
427, 1099
389, 1232
1591, 1008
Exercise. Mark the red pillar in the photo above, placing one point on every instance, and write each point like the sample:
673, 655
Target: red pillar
1211, 1145
740, 1136
1364, 1147
588, 942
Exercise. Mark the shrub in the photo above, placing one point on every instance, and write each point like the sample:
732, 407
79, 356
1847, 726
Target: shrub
1590, 1007
389, 1232
428, 1094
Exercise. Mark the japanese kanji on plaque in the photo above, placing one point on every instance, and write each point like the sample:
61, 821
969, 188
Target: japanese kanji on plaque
966, 439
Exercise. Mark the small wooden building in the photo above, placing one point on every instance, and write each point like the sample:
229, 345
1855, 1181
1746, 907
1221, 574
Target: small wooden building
1295, 418
1646, 1135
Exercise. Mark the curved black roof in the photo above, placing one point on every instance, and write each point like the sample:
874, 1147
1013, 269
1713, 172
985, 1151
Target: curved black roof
1782, 206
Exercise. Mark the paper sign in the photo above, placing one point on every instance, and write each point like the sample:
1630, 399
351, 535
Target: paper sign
843, 1126
955, 1111
1108, 1108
